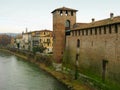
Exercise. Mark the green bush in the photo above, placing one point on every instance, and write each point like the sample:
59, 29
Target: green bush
46, 59
38, 49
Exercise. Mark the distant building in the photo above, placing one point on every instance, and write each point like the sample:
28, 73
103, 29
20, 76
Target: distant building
38, 38
35, 38
18, 42
25, 41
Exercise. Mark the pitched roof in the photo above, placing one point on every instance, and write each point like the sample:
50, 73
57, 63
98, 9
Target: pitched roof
97, 23
64, 9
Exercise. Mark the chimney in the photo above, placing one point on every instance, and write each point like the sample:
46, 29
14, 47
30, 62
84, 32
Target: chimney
111, 15
93, 20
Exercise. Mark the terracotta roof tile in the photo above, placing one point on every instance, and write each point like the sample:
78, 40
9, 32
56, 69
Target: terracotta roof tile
97, 23
64, 9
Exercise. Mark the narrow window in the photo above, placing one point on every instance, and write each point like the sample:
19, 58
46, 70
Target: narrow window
78, 43
82, 32
91, 31
104, 29
95, 31
66, 13
110, 30
77, 56
61, 13
71, 13
86, 32
67, 25
116, 28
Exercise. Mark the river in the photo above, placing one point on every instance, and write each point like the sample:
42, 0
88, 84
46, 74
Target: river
18, 74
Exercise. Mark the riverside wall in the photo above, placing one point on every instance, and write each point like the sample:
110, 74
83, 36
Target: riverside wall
92, 51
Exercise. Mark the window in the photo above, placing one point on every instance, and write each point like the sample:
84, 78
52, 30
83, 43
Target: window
104, 29
67, 24
77, 56
78, 43
61, 13
82, 32
95, 31
71, 13
48, 44
86, 32
91, 31
116, 28
48, 40
110, 30
66, 13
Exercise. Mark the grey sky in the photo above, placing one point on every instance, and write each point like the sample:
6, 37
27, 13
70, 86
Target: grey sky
16, 15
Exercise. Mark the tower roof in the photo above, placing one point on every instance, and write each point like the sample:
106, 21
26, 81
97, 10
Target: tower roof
64, 9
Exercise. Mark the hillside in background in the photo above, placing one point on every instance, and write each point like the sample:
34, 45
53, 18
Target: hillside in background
10, 34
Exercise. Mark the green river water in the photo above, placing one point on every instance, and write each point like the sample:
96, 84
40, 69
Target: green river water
17, 74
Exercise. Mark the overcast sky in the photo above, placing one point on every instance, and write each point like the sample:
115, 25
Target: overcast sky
16, 15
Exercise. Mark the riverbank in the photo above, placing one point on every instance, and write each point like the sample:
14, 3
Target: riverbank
60, 76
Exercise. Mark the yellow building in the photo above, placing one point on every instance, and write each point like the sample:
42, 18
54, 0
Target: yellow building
46, 39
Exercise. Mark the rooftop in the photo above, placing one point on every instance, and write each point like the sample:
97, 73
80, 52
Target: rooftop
97, 23
64, 9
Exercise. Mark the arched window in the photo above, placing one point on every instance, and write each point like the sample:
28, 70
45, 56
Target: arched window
67, 24
78, 43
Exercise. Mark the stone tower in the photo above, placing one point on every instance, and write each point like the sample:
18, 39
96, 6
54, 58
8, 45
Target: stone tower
63, 19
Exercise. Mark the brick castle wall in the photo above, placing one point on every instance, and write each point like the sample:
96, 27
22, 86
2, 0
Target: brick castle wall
94, 49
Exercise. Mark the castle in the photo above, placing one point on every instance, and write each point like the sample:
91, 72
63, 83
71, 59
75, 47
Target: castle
93, 46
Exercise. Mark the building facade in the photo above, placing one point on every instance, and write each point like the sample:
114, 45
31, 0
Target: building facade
37, 38
25, 41
46, 40
18, 42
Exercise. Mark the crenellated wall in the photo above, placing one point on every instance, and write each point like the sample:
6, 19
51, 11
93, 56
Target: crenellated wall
102, 44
